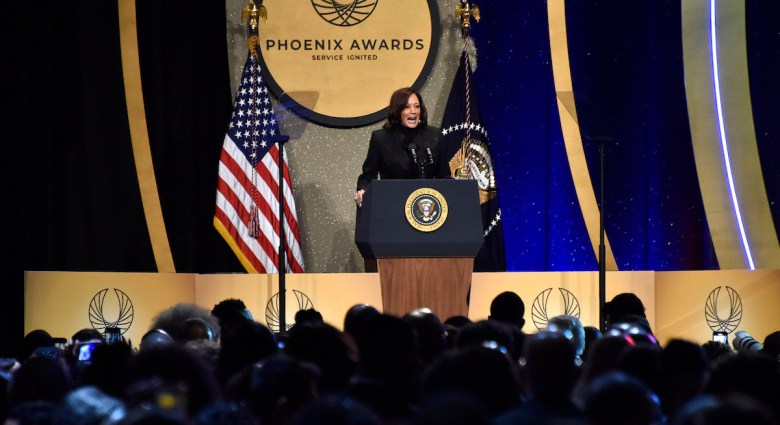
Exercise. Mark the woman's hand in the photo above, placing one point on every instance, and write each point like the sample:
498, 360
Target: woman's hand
359, 197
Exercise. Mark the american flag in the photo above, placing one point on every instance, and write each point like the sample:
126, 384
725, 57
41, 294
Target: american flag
247, 213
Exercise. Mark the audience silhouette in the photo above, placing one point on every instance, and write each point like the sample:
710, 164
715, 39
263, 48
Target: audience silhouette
200, 367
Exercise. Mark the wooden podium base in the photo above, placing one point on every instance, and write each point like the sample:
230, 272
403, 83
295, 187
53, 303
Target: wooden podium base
439, 284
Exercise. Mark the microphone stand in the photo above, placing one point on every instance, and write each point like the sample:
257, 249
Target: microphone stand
281, 265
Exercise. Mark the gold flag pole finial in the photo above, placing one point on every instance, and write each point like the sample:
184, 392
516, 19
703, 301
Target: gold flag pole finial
250, 14
463, 12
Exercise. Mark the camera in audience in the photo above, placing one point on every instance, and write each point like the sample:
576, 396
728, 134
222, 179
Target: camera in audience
744, 342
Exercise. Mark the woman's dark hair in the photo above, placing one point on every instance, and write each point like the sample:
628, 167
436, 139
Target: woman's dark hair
398, 103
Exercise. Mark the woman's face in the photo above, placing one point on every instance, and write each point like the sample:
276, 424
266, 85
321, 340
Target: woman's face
410, 116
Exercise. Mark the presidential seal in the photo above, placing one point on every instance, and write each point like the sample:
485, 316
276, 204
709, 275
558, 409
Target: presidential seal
426, 209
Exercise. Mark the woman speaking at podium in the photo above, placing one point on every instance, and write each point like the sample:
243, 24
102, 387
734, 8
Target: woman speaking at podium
406, 147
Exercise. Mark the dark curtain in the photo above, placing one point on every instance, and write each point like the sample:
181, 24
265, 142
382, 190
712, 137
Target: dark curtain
72, 175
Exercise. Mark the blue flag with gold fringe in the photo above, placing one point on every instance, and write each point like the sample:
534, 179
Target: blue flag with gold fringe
465, 142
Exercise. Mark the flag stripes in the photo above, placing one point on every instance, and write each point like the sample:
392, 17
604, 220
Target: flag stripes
248, 181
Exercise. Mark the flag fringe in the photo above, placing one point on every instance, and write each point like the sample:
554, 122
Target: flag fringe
470, 47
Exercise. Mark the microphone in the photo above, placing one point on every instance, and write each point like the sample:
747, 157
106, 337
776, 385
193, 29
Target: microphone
413, 150
430, 155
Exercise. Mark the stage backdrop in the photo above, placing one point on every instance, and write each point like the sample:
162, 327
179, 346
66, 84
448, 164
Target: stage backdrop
116, 140
686, 305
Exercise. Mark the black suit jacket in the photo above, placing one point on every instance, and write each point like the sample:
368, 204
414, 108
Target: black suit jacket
388, 156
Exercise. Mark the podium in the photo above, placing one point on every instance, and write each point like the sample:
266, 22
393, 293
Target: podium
424, 235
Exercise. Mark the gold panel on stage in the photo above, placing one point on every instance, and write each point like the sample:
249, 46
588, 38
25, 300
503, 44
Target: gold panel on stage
686, 305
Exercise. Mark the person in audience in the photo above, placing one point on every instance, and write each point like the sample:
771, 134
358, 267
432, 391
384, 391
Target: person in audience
772, 345
549, 375
247, 343
39, 379
87, 405
356, 319
750, 373
186, 321
485, 373
621, 305
109, 368
171, 376
388, 369
336, 409
643, 362
37, 412
732, 409
308, 315
572, 329
326, 347
431, 335
602, 358
154, 337
509, 308
280, 387
683, 374
616, 398
714, 350
226, 309
224, 413
592, 333
452, 326
452, 407
33, 340
492, 331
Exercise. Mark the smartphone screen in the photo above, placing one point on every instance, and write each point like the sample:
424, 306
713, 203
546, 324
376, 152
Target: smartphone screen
720, 336
113, 335
84, 351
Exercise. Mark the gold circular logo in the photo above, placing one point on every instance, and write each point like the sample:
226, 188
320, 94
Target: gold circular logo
336, 62
426, 209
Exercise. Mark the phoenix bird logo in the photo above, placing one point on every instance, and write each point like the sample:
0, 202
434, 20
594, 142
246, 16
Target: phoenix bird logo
344, 14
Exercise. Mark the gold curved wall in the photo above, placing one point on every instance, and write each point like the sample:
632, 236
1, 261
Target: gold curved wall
738, 130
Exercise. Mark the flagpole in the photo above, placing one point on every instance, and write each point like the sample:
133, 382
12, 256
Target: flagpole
281, 140
252, 13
